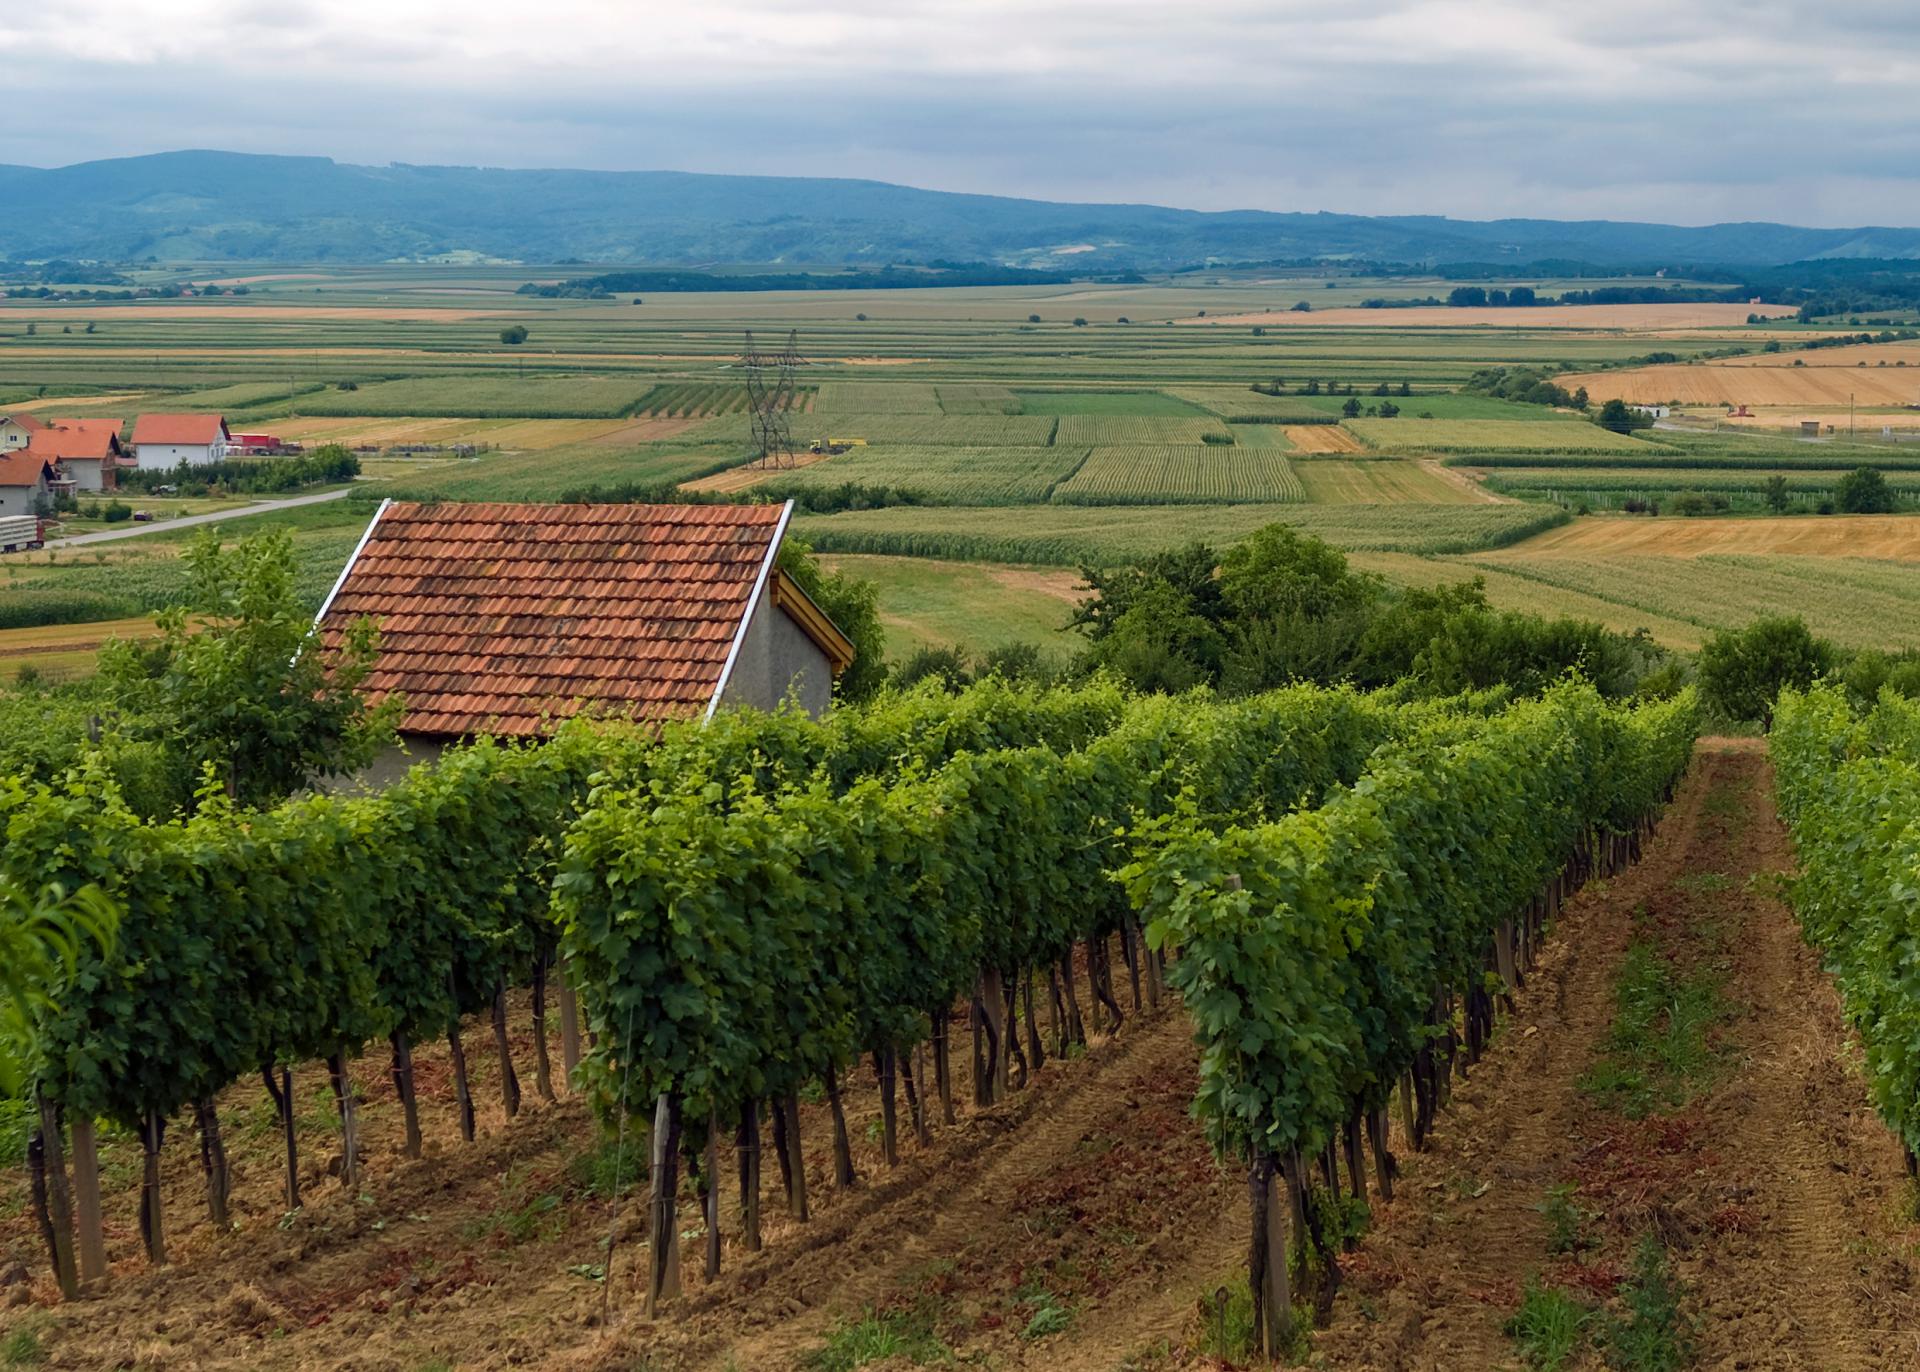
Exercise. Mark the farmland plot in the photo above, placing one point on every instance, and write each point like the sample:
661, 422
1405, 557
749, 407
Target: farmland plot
1066, 536
1107, 431
1493, 435
968, 398
940, 474
1160, 404
982, 430
1176, 474
1855, 602
880, 397
1773, 384
488, 397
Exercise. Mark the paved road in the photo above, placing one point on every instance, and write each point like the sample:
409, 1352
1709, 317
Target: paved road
187, 521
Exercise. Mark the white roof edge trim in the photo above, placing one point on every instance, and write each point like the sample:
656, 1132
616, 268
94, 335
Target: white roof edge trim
753, 605
358, 548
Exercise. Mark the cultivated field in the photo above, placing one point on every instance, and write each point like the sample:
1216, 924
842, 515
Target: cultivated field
1008, 429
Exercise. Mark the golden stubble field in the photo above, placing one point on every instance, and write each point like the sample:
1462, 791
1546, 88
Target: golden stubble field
1707, 314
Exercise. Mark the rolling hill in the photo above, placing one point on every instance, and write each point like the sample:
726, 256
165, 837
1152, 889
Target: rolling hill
201, 206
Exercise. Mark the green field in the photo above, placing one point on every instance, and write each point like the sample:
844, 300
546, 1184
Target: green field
1856, 602
1173, 474
941, 475
988, 435
505, 395
1067, 536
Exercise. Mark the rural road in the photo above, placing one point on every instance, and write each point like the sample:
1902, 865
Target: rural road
187, 521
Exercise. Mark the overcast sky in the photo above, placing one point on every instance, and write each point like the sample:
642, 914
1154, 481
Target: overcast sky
1684, 111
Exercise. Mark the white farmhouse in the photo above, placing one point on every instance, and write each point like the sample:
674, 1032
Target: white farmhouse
162, 442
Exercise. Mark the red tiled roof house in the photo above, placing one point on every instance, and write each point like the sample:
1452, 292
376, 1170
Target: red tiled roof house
505, 619
25, 482
162, 442
88, 451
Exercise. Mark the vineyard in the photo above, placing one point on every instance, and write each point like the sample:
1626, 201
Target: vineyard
1174, 474
850, 881
1850, 791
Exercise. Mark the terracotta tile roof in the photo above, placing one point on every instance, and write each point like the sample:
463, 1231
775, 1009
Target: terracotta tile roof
30, 422
84, 440
196, 430
497, 618
23, 467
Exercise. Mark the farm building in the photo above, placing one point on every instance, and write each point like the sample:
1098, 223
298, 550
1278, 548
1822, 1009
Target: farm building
504, 619
162, 442
26, 482
16, 429
87, 451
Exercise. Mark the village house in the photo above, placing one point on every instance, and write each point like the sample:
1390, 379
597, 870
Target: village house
86, 452
17, 429
162, 442
507, 619
26, 482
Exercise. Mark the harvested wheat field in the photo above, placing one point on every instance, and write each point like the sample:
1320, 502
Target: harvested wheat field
241, 313
1706, 384
1891, 537
1705, 315
1853, 355
748, 475
1322, 438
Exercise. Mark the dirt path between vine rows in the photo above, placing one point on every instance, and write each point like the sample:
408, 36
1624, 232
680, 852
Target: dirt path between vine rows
1780, 1200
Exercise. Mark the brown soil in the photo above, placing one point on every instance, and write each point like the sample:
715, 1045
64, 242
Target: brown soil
1776, 1192
1091, 1186
747, 476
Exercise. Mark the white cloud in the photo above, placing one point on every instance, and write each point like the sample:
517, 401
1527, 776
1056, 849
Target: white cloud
1715, 109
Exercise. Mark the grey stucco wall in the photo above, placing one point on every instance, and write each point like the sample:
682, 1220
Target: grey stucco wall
777, 657
19, 500
387, 767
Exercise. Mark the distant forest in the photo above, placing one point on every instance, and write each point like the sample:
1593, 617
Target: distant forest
667, 281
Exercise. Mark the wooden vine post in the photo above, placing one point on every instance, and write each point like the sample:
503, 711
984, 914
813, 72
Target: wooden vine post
712, 1180
349, 1123
747, 1154
1267, 1258
542, 1066
152, 1208
86, 1202
509, 1083
213, 1162
282, 1093
797, 1180
403, 1088
843, 1174
569, 1023
663, 1257
56, 1200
